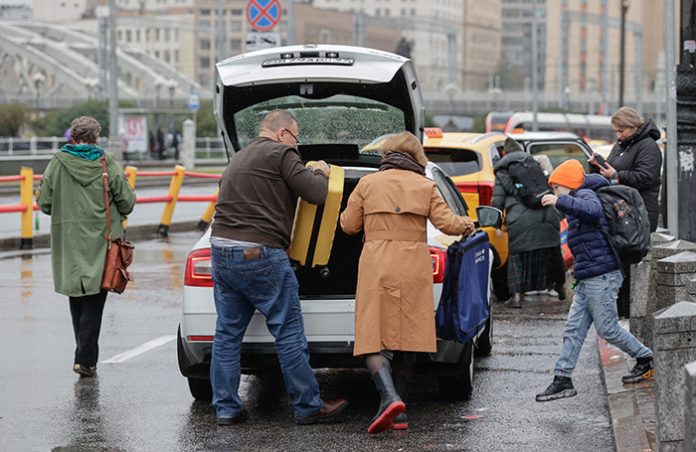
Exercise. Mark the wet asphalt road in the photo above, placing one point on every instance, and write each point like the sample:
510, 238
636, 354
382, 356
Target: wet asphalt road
143, 404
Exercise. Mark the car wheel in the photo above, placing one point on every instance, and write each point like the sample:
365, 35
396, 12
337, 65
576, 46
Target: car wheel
484, 344
460, 386
500, 284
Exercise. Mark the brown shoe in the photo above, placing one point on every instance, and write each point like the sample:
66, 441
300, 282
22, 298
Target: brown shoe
327, 413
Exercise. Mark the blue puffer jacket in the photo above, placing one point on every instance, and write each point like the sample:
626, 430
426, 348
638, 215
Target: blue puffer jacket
591, 250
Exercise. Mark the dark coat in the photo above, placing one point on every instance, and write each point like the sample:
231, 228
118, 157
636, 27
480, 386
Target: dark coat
638, 161
528, 229
591, 250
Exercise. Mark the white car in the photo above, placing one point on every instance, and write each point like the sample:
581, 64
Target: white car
343, 97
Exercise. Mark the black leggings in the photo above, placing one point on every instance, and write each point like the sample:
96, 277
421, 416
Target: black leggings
86, 315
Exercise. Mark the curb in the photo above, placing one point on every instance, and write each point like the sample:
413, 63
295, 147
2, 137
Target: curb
631, 407
134, 233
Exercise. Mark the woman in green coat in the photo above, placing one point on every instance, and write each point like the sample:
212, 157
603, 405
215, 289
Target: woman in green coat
72, 193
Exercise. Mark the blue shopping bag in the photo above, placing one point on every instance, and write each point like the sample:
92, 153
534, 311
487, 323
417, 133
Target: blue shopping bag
463, 307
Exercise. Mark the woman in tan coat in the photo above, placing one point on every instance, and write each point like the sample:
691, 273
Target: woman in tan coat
394, 309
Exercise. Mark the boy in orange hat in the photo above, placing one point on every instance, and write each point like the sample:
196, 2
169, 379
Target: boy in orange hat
597, 279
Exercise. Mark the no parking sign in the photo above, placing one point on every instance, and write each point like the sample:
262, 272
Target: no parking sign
263, 15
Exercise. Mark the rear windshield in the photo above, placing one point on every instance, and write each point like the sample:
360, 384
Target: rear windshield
336, 119
455, 162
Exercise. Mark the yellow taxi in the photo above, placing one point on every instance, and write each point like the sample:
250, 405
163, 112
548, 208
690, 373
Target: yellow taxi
468, 158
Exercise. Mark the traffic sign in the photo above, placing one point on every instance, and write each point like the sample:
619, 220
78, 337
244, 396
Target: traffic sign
194, 102
263, 15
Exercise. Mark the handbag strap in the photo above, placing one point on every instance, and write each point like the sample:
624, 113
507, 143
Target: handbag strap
105, 179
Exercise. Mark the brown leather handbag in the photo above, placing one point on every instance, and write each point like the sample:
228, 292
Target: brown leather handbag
119, 252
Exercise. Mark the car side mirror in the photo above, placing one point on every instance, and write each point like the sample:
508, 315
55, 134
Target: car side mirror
489, 217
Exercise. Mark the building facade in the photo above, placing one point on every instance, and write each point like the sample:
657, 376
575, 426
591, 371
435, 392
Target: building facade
579, 48
435, 30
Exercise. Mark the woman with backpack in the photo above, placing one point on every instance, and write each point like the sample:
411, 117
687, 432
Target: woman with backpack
635, 161
535, 261
597, 280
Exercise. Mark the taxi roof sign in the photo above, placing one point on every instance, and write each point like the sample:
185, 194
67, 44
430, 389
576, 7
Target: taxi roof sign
433, 132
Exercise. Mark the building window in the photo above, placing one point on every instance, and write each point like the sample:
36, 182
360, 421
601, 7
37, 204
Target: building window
204, 62
166, 56
205, 44
235, 12
235, 44
205, 12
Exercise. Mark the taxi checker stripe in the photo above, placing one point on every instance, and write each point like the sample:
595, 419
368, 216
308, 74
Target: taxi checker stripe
263, 11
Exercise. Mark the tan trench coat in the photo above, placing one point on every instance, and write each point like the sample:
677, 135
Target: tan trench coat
394, 297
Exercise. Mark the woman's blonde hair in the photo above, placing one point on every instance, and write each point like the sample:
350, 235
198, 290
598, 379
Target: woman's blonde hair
405, 142
85, 129
627, 117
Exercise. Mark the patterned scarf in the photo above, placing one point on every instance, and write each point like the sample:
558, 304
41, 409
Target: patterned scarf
401, 160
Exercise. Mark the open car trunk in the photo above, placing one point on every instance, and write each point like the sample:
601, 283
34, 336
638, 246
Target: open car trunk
342, 277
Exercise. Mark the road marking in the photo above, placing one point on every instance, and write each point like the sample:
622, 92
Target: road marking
146, 347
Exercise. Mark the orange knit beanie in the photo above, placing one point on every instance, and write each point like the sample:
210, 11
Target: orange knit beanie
569, 174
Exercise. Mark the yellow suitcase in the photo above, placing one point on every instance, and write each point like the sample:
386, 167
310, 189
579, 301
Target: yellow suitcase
314, 227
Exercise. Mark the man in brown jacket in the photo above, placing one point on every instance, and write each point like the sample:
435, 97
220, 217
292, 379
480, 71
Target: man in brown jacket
251, 270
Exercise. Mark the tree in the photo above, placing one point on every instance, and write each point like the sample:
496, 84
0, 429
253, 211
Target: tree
57, 122
12, 118
206, 126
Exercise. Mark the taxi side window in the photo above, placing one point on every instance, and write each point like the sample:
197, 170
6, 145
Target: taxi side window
449, 192
560, 152
496, 151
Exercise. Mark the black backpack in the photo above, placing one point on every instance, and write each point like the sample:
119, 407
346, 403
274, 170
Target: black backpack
629, 227
530, 181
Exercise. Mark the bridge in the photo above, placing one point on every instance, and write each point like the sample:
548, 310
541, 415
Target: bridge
40, 62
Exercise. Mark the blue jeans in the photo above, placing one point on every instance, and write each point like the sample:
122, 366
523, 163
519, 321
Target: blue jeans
594, 300
265, 282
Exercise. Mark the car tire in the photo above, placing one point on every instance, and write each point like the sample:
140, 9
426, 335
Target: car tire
200, 389
460, 386
484, 344
500, 284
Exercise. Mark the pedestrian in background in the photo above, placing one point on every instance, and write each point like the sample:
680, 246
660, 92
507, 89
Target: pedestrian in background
72, 193
394, 298
635, 161
161, 146
597, 280
535, 262
251, 269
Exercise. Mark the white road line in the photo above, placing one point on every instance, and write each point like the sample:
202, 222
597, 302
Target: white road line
146, 347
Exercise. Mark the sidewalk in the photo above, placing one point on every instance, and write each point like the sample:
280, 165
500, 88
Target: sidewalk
631, 407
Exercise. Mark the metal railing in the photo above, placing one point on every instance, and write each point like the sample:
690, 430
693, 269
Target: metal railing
27, 205
207, 148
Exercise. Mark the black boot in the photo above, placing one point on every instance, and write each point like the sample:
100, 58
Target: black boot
390, 404
560, 387
401, 383
643, 370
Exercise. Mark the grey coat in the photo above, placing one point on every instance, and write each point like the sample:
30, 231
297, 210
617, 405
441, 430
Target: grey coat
528, 229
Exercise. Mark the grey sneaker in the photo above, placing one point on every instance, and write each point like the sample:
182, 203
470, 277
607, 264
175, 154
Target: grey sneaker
560, 388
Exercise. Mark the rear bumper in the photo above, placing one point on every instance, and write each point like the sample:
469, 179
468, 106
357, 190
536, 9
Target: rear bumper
194, 358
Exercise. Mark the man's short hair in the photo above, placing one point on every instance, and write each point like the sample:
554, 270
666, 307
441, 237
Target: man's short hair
276, 120
85, 129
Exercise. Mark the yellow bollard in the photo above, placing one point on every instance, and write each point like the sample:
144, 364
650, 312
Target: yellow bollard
207, 217
26, 190
132, 174
174, 187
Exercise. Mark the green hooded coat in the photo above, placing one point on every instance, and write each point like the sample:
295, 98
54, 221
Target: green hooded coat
72, 193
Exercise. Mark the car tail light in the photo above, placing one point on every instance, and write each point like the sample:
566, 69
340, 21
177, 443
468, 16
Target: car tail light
439, 257
198, 269
199, 338
483, 189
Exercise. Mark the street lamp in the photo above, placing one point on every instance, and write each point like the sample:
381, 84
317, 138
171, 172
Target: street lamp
38, 78
158, 86
622, 51
172, 88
